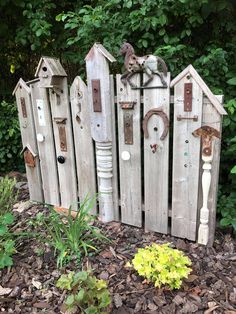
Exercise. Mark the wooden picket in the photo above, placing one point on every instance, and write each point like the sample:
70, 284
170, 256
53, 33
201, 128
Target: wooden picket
156, 158
115, 142
129, 152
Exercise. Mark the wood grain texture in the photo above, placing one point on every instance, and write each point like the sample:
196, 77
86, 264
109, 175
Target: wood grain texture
84, 150
97, 68
186, 160
130, 170
212, 118
156, 164
46, 148
28, 137
114, 152
60, 109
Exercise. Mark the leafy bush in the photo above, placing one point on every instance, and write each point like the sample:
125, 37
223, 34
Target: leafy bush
88, 294
7, 244
10, 138
162, 265
71, 236
7, 194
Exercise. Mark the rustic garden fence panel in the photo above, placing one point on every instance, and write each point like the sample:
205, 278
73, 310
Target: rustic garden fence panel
115, 142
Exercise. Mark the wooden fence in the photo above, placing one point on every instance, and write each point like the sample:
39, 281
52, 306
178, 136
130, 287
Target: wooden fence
152, 155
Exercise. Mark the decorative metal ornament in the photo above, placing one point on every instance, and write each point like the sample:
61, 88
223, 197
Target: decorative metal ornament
148, 64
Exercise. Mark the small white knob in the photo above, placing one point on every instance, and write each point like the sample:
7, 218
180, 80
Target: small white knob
125, 155
40, 137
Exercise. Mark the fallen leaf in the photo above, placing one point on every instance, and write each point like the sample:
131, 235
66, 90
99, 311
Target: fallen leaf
191, 278
117, 300
37, 284
4, 291
210, 310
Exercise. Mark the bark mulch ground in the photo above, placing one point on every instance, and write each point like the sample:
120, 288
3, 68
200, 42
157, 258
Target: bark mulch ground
211, 287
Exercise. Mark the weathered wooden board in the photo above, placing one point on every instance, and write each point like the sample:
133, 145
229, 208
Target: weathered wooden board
130, 154
156, 159
64, 144
28, 136
99, 98
97, 68
114, 153
211, 117
84, 150
46, 147
186, 160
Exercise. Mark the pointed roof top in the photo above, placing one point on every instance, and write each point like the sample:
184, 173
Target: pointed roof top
22, 83
54, 66
27, 146
206, 90
102, 50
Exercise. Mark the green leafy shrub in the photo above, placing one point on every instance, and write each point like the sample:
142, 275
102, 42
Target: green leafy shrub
71, 237
10, 138
7, 194
7, 244
162, 265
88, 294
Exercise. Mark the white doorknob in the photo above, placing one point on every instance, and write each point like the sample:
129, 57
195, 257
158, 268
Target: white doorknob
125, 155
40, 137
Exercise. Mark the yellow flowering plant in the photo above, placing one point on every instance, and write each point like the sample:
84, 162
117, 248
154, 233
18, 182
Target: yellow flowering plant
162, 265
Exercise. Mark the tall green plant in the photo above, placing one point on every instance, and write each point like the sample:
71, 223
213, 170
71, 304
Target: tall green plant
7, 194
71, 237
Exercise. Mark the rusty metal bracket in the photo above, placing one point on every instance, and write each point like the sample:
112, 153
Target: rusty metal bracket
206, 133
127, 104
194, 118
62, 133
23, 107
188, 87
96, 92
128, 128
164, 117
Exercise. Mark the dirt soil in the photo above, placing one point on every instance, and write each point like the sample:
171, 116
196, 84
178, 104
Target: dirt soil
210, 288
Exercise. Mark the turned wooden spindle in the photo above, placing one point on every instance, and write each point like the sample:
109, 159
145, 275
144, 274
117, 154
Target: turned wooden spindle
206, 133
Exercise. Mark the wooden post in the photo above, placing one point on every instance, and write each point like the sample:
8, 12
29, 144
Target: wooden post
156, 155
28, 136
84, 151
46, 148
99, 96
128, 103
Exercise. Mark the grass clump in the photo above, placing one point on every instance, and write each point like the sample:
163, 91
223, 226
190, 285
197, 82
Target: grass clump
72, 236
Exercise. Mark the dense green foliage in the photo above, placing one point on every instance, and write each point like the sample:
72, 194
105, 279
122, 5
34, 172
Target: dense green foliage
71, 237
10, 139
88, 294
181, 31
162, 265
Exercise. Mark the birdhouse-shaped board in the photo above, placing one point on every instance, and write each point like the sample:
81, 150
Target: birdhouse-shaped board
29, 156
50, 72
195, 106
99, 92
29, 143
